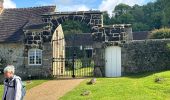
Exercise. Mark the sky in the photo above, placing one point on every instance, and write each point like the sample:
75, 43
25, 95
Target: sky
74, 5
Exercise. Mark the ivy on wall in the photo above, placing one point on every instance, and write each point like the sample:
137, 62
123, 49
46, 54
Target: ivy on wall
3, 62
144, 56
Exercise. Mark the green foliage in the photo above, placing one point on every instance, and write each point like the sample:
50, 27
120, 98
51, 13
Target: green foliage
73, 27
160, 33
133, 87
1, 91
122, 9
106, 18
153, 15
146, 56
2, 62
140, 27
125, 18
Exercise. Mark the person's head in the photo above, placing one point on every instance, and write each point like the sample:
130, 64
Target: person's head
9, 71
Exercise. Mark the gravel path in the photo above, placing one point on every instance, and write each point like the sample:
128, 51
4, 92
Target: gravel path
52, 90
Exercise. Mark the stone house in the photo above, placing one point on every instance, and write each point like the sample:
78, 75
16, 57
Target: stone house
32, 39
25, 45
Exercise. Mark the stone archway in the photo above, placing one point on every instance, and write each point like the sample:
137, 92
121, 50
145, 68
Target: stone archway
36, 35
91, 18
40, 36
100, 32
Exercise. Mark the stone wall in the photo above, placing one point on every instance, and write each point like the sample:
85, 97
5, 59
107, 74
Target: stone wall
144, 56
12, 53
138, 56
52, 46
44, 70
98, 56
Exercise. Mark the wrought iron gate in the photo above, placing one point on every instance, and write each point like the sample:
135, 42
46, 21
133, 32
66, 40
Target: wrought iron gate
75, 62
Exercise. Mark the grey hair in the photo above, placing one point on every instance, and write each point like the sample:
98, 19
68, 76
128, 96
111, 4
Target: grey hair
9, 68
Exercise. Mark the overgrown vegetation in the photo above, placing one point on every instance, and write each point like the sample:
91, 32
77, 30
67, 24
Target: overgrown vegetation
148, 86
162, 33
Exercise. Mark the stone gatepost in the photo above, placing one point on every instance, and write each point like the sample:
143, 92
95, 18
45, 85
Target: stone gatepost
108, 35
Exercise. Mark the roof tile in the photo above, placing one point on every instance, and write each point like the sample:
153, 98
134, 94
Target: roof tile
12, 21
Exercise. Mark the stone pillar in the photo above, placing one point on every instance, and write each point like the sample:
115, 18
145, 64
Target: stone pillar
98, 57
129, 32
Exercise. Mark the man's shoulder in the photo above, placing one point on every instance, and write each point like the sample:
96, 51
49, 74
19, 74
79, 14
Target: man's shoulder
17, 77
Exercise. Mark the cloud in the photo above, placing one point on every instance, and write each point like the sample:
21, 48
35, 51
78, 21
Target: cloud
74, 5
109, 5
73, 8
9, 4
84, 5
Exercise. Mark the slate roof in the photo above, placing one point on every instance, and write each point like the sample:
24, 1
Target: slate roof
143, 35
85, 39
80, 39
12, 21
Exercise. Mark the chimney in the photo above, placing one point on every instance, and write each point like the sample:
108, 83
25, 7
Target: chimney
1, 5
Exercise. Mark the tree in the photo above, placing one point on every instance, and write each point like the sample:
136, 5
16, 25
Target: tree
73, 27
121, 9
122, 14
140, 26
137, 13
126, 19
106, 18
153, 15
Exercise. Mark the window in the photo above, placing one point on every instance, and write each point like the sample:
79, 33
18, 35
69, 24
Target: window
89, 52
35, 57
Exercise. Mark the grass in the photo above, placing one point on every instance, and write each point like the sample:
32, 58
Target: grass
86, 71
133, 87
35, 83
1, 91
30, 85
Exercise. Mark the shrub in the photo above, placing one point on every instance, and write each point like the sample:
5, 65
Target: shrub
2, 64
160, 34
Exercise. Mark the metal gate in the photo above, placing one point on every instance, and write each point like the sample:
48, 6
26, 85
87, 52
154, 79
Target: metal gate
73, 61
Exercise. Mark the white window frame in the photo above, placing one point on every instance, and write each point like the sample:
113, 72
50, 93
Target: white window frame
35, 52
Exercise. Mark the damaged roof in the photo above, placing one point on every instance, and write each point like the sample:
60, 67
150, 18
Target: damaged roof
12, 21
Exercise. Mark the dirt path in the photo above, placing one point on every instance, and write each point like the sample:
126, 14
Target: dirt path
52, 90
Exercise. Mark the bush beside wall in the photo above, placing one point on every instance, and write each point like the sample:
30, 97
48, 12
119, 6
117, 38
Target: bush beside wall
162, 33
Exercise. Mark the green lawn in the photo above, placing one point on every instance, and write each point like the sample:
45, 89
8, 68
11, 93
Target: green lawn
30, 85
86, 71
132, 87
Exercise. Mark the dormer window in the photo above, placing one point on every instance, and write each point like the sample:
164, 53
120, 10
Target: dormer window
35, 57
